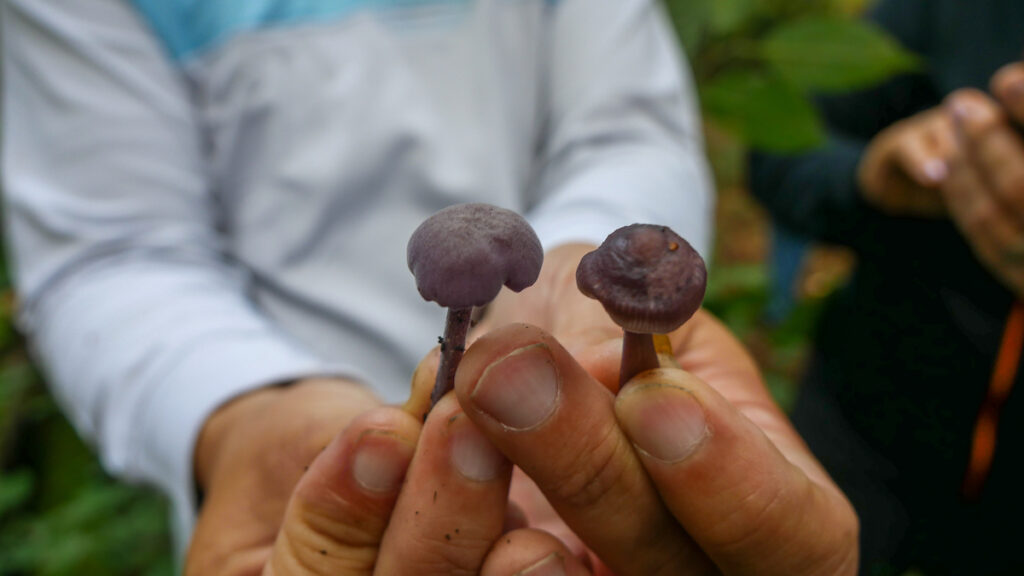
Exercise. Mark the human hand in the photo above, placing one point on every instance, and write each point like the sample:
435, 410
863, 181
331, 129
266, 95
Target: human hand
985, 188
351, 512
693, 471
249, 457
903, 166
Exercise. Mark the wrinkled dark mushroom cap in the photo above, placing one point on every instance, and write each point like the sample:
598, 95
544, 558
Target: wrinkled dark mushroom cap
648, 278
463, 255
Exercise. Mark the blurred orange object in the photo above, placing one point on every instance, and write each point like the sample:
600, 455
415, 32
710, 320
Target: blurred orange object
983, 446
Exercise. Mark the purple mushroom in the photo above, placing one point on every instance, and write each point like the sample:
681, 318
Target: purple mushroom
650, 281
461, 257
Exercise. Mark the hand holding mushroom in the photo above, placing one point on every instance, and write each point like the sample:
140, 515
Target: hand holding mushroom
984, 191
671, 474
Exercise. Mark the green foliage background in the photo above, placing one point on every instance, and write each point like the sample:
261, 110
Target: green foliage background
756, 61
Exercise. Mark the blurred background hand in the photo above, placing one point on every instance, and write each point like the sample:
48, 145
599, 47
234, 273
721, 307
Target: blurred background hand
985, 189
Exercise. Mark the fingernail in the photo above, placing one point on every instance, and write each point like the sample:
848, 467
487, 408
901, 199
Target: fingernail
472, 454
935, 170
553, 565
520, 391
381, 461
665, 422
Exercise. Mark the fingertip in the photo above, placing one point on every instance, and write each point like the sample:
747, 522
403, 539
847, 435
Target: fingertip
917, 157
371, 455
1008, 84
472, 454
961, 103
452, 443
664, 421
380, 461
934, 171
971, 110
385, 421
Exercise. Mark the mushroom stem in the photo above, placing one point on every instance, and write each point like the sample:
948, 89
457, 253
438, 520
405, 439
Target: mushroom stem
453, 346
638, 355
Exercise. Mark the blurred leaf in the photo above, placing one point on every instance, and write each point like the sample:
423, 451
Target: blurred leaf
767, 112
727, 282
690, 19
89, 505
15, 490
66, 464
8, 306
14, 380
105, 529
737, 295
729, 15
853, 7
835, 54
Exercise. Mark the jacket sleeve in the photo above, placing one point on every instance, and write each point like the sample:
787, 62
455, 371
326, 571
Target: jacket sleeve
816, 193
139, 317
623, 141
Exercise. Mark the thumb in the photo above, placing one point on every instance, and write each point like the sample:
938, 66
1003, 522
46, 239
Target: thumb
746, 503
339, 510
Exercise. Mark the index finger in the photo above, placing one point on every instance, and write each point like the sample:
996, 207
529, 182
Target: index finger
992, 147
1008, 86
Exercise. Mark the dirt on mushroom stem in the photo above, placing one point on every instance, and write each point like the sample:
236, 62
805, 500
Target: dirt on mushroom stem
453, 346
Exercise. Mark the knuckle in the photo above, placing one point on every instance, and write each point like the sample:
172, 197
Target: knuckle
301, 550
594, 472
438, 552
759, 514
319, 527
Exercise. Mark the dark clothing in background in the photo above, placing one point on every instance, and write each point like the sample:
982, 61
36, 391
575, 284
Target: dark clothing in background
903, 354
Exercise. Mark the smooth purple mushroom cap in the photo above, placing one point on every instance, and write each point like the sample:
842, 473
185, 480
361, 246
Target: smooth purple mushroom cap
648, 278
463, 255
